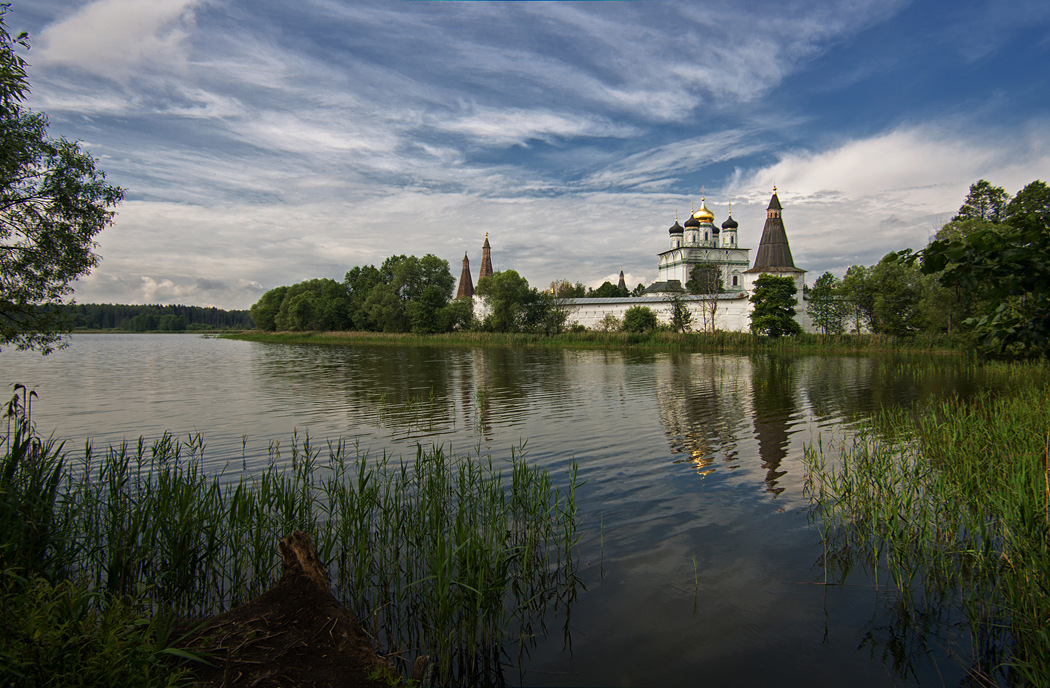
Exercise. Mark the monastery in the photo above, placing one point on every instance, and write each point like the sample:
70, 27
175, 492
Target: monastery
698, 240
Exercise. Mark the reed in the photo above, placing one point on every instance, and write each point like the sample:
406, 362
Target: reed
457, 556
716, 342
950, 510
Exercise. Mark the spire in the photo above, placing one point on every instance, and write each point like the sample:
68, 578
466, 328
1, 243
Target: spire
623, 283
774, 253
486, 259
466, 284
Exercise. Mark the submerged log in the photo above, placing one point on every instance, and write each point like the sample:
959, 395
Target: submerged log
295, 634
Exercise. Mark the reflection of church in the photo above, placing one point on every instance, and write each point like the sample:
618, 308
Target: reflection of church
731, 412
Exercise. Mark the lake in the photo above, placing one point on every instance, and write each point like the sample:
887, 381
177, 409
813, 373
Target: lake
697, 554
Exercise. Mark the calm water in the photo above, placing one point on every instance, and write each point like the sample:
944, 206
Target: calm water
692, 463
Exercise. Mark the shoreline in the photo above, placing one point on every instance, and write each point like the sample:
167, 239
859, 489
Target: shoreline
702, 342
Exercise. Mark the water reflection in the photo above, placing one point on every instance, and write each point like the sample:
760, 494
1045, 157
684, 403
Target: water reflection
774, 385
704, 407
680, 455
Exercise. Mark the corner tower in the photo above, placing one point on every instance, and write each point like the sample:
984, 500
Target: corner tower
486, 259
774, 253
466, 284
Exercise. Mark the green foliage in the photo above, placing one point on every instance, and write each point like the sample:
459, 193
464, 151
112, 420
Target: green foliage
564, 289
859, 297
826, 304
62, 634
705, 278
951, 507
1031, 205
457, 314
1004, 267
681, 316
508, 295
54, 200
318, 304
516, 307
897, 288
405, 294
774, 302
608, 290
639, 319
984, 202
638, 290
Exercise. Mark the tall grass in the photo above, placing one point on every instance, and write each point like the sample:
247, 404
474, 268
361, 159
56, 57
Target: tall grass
951, 511
458, 557
716, 342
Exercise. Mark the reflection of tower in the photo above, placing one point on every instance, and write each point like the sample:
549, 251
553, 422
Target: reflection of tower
486, 259
466, 285
773, 384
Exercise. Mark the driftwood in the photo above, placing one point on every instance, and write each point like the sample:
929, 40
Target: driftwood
295, 634
299, 557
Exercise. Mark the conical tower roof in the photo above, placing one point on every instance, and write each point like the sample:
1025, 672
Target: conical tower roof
486, 259
466, 284
774, 252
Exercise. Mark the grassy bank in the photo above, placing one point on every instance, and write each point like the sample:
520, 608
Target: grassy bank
950, 512
718, 342
457, 557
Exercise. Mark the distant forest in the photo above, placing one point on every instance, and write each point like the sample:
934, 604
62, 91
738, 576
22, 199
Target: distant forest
156, 318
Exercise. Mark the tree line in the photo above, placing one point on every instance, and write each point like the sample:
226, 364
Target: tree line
984, 280
155, 318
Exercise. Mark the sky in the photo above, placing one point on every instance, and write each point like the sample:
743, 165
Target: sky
263, 143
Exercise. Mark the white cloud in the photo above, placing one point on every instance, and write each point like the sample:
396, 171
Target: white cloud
113, 37
518, 126
864, 198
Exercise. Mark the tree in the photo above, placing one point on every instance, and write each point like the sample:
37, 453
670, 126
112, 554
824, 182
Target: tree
561, 303
608, 290
54, 200
610, 323
859, 297
826, 305
774, 306
359, 282
681, 317
984, 202
638, 290
639, 319
705, 280
1030, 205
264, 311
897, 290
1007, 269
458, 314
508, 295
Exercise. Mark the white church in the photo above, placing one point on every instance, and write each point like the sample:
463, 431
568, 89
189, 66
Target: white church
699, 240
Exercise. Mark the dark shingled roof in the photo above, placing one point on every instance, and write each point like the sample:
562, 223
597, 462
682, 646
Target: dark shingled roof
466, 284
774, 253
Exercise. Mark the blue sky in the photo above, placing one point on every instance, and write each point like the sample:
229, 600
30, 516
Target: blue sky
262, 143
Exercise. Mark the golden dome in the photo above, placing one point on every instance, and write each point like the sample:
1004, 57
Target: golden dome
704, 215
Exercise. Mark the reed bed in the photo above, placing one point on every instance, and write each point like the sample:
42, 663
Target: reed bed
455, 556
950, 511
711, 342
